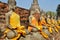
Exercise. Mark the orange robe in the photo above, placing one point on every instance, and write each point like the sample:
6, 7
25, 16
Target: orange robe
34, 23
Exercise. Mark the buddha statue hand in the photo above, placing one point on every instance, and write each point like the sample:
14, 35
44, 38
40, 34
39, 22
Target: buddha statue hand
27, 32
34, 29
11, 34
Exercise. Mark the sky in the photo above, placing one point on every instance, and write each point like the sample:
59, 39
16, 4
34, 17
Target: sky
46, 5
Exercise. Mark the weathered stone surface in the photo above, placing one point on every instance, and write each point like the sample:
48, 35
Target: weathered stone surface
34, 36
38, 36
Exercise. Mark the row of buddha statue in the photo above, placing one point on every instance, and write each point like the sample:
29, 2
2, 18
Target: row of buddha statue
44, 24
37, 23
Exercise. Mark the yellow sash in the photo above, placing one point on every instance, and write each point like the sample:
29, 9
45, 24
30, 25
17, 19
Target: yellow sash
14, 20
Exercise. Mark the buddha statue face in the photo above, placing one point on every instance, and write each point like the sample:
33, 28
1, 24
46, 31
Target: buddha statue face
48, 16
37, 16
42, 15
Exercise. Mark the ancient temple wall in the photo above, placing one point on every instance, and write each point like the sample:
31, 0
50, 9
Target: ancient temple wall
24, 13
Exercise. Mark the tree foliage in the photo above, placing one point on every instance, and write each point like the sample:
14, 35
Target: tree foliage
51, 13
58, 10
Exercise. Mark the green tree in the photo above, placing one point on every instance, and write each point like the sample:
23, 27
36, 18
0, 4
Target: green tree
58, 10
51, 13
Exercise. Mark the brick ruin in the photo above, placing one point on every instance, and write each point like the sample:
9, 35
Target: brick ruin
24, 13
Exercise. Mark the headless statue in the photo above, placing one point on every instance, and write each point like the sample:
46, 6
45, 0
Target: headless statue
12, 4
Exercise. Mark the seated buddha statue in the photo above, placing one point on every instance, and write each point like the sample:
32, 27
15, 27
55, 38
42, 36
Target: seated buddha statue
14, 29
34, 21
